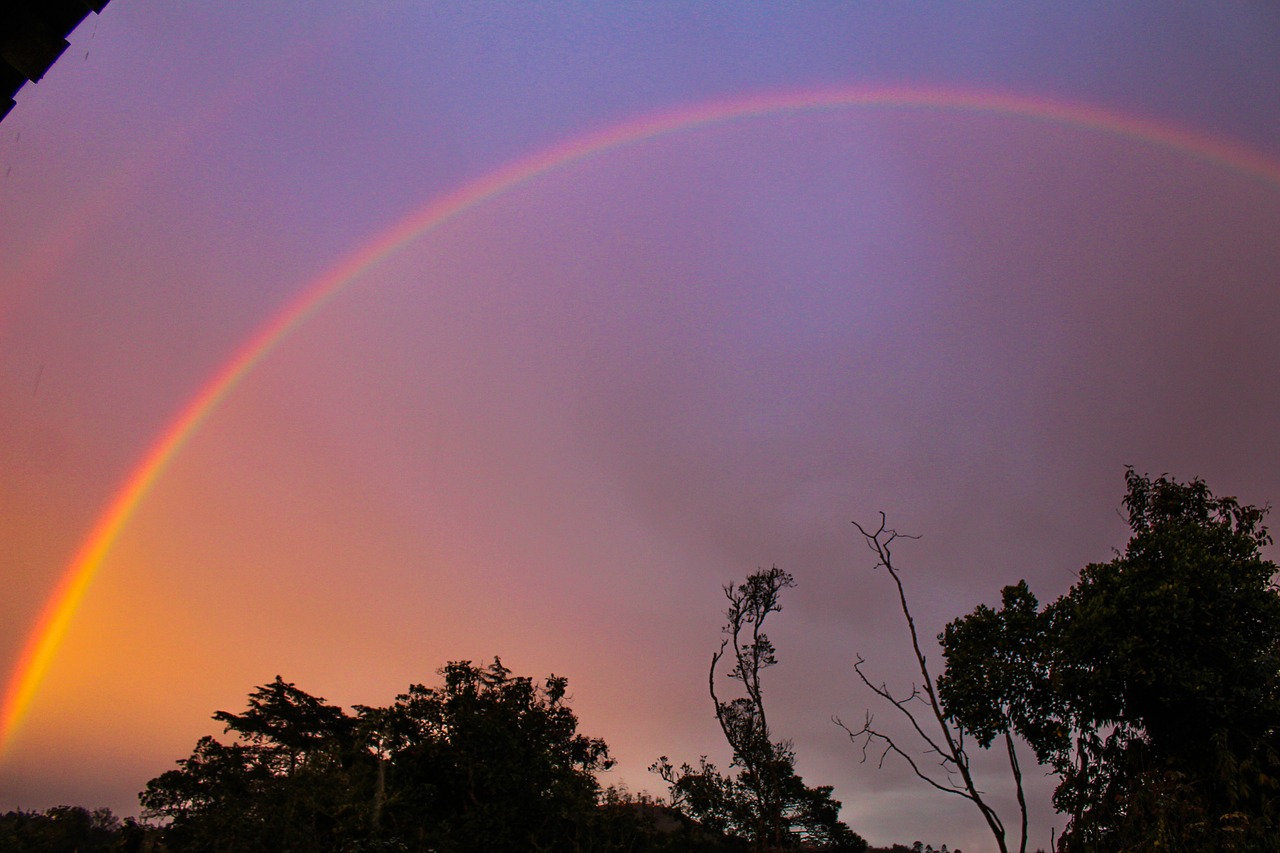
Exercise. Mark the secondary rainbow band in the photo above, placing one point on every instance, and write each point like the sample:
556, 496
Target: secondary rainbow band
47, 634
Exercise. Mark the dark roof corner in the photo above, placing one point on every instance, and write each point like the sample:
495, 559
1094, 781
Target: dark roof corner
33, 34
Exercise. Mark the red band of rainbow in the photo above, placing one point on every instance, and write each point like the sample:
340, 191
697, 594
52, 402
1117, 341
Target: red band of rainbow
46, 635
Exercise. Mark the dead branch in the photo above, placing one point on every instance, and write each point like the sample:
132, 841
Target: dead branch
950, 747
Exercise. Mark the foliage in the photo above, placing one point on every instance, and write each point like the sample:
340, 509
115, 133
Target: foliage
64, 828
286, 783
765, 802
485, 762
1152, 688
917, 847
489, 758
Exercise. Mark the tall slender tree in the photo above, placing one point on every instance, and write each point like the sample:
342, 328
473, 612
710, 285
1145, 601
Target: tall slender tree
766, 802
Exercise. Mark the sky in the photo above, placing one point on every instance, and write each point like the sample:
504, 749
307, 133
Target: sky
360, 338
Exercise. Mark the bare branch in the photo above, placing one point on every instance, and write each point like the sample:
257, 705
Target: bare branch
711, 682
868, 734
950, 748
901, 704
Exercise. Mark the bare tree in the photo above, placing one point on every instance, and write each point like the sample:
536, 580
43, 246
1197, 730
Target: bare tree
921, 704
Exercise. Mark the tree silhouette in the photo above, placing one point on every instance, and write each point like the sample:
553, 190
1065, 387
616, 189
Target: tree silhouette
285, 783
67, 828
490, 758
1152, 688
766, 801
487, 761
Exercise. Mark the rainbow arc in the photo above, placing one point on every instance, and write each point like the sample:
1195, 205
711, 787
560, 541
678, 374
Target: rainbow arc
46, 635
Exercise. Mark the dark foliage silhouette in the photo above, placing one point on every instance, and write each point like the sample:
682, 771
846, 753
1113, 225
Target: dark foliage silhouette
1152, 688
486, 761
68, 828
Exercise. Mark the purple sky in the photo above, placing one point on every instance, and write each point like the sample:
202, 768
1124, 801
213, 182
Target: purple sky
552, 428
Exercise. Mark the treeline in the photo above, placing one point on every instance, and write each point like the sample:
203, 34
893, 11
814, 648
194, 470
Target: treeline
487, 761
73, 829
1151, 689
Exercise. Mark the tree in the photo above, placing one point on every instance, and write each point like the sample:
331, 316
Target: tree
949, 742
1152, 688
766, 801
62, 828
285, 783
490, 762
486, 762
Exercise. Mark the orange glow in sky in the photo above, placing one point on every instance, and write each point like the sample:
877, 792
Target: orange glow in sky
482, 361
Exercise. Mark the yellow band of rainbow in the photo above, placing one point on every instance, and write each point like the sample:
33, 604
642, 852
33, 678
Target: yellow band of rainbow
49, 630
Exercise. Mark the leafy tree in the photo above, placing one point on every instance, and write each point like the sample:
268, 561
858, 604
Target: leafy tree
286, 783
59, 829
1152, 688
486, 762
997, 669
489, 762
766, 801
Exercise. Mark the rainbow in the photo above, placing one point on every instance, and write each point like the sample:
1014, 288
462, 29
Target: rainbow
49, 630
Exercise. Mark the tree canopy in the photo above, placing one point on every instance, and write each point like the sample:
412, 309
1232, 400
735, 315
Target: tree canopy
68, 828
1152, 688
486, 761
490, 758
